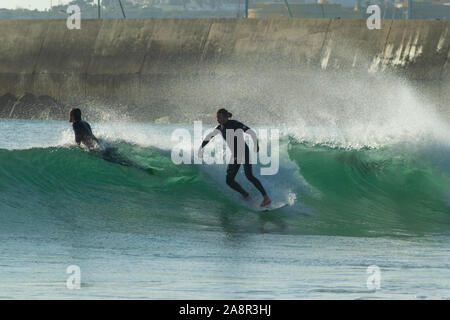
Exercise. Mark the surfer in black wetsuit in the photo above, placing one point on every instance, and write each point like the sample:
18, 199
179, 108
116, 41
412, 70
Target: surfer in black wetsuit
240, 152
82, 129
84, 135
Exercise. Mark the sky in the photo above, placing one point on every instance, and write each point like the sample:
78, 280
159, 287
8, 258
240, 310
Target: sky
30, 4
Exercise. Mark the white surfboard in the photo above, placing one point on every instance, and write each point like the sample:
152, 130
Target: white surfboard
274, 205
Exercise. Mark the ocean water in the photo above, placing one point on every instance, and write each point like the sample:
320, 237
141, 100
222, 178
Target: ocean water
139, 226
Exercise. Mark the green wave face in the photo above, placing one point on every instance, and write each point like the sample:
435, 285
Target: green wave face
134, 183
367, 192
389, 191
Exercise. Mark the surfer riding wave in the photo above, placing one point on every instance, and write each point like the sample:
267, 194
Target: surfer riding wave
237, 128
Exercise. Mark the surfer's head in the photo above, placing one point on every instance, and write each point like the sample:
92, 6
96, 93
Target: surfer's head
74, 115
223, 115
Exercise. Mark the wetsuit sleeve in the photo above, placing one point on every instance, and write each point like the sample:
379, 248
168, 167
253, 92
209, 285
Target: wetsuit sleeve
250, 132
211, 135
77, 134
240, 125
91, 135
77, 138
89, 127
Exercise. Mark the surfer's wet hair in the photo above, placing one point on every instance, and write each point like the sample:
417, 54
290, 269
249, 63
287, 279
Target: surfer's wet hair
75, 113
225, 112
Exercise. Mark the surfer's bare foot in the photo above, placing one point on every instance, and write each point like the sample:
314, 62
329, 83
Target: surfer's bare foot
266, 201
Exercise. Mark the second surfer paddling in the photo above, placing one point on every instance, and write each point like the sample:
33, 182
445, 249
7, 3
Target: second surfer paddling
233, 126
82, 129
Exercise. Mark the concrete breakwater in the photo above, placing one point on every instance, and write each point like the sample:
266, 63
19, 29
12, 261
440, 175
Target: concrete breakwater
168, 69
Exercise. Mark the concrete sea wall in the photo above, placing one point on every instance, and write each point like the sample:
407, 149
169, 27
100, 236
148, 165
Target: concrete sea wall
149, 69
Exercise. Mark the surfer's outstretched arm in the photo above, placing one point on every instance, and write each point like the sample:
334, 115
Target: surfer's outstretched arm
208, 138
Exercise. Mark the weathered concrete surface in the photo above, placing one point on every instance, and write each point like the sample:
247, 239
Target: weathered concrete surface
6, 103
350, 45
417, 49
64, 60
444, 88
153, 68
21, 44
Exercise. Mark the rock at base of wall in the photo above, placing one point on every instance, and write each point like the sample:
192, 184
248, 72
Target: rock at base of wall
52, 109
28, 106
6, 103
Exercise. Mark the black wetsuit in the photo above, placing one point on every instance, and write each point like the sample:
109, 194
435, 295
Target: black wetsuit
83, 133
233, 167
